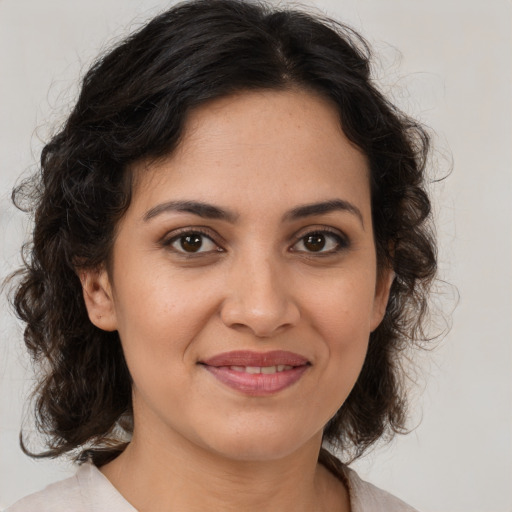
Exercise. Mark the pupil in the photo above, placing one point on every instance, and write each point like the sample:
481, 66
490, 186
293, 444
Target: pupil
191, 243
315, 242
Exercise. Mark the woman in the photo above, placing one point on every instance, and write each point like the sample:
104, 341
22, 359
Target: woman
231, 250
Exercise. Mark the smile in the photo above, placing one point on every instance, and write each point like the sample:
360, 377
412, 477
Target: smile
257, 374
261, 369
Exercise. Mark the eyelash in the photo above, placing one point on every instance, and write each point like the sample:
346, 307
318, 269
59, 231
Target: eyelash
188, 232
341, 242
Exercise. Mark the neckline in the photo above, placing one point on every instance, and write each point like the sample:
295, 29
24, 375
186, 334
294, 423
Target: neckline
90, 475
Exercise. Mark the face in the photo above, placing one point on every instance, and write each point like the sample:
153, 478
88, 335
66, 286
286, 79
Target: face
244, 283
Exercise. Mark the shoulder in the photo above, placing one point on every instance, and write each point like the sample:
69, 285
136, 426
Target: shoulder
56, 497
366, 497
87, 491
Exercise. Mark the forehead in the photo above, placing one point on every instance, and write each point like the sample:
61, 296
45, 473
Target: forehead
283, 145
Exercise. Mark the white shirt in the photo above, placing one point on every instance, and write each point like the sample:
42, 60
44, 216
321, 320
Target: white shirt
90, 491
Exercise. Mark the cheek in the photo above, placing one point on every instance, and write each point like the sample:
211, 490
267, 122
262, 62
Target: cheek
157, 321
151, 297
342, 308
342, 316
347, 344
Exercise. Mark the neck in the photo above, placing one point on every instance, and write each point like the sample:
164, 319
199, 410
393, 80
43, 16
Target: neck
187, 478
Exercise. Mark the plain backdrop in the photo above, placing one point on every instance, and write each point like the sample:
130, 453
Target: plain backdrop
446, 62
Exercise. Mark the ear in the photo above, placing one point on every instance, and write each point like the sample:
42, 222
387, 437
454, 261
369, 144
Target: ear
385, 279
98, 298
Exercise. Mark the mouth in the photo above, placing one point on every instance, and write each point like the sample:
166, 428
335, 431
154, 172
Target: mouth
268, 370
256, 373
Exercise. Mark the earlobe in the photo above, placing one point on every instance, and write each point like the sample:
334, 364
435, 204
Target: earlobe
384, 281
98, 298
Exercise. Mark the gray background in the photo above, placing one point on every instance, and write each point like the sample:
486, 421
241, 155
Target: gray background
446, 62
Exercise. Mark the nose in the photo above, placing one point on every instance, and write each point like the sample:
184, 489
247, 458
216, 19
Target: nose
259, 299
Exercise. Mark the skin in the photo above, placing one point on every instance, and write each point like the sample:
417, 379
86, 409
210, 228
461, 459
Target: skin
258, 284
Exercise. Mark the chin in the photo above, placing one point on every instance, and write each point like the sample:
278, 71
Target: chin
262, 446
242, 452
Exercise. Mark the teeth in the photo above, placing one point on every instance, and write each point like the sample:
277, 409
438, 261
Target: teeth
261, 369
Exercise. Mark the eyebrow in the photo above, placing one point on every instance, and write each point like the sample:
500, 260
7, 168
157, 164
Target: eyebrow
322, 208
205, 210
209, 211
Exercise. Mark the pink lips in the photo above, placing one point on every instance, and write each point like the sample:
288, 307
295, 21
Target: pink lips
257, 373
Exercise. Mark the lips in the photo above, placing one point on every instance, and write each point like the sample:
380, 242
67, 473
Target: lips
257, 373
260, 359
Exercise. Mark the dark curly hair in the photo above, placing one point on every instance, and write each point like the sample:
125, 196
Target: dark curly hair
133, 105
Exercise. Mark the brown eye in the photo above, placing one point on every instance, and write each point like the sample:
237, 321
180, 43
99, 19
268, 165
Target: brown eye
314, 242
322, 242
190, 243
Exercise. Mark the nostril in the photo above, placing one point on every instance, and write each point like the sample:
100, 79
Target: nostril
260, 302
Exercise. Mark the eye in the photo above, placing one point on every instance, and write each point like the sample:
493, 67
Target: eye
320, 242
193, 242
